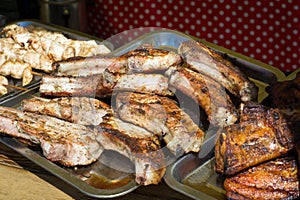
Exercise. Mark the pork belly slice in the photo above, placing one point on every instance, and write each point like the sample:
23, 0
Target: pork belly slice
275, 179
136, 143
87, 66
204, 60
66, 143
79, 110
210, 95
163, 117
59, 86
252, 141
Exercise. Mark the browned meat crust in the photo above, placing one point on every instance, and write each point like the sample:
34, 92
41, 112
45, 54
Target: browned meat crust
134, 142
210, 95
204, 60
261, 135
64, 142
276, 179
163, 117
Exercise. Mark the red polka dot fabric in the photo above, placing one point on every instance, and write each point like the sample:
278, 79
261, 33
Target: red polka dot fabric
266, 30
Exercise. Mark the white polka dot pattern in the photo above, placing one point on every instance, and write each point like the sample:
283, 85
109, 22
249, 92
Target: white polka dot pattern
265, 30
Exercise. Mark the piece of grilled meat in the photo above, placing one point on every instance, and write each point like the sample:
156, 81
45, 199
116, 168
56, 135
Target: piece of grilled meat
79, 110
143, 59
103, 85
210, 95
87, 66
262, 134
204, 60
275, 179
163, 117
61, 141
139, 145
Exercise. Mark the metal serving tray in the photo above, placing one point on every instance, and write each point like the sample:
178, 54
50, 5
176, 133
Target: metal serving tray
116, 183
69, 33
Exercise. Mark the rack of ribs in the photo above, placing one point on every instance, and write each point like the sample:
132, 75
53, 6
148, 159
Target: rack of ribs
141, 146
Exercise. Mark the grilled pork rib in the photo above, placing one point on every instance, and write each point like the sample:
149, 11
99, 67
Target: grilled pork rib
210, 95
103, 85
203, 60
262, 134
143, 59
136, 143
79, 110
59, 86
163, 117
64, 142
87, 66
275, 179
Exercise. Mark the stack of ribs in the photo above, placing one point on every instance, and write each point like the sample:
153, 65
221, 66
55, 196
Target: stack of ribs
257, 155
144, 120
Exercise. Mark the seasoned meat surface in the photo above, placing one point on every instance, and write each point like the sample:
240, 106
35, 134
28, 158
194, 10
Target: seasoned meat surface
204, 60
262, 134
64, 142
79, 110
210, 95
275, 179
163, 117
139, 145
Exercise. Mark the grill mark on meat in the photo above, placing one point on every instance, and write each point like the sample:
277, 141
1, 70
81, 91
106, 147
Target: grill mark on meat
64, 142
163, 117
275, 179
210, 95
250, 142
204, 60
134, 142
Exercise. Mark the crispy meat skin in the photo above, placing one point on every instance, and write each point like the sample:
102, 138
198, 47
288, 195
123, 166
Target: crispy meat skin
79, 110
139, 145
275, 179
210, 95
203, 60
262, 134
163, 117
64, 142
